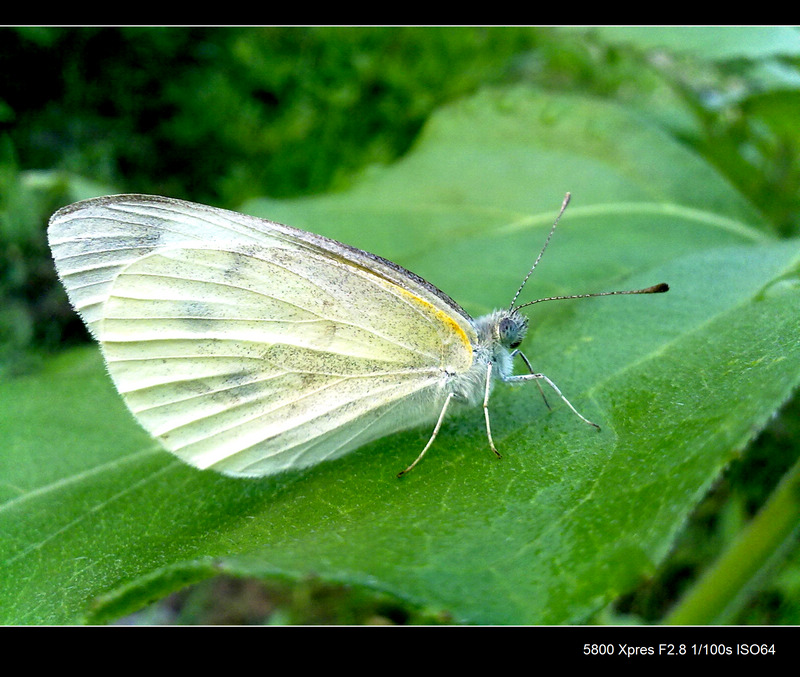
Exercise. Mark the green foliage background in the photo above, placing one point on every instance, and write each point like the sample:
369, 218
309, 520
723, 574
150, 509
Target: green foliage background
262, 117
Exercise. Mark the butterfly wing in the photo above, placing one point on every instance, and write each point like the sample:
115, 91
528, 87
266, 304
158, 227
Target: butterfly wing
93, 239
251, 347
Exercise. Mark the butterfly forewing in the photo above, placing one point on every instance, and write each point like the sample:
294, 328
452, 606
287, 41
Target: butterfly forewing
256, 356
93, 240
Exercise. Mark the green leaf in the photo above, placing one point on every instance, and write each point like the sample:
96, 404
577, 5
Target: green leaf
714, 43
96, 521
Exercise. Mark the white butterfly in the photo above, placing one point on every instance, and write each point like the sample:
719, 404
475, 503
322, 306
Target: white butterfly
253, 348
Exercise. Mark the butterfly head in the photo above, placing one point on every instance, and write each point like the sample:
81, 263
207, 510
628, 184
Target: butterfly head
510, 329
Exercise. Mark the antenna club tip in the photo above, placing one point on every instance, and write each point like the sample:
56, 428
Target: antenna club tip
658, 288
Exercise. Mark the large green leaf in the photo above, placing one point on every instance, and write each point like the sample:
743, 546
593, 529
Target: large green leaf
714, 43
96, 520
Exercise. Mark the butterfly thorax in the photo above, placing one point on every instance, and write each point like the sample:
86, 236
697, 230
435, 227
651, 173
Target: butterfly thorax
498, 334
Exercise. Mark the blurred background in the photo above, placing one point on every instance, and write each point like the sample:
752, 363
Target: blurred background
224, 115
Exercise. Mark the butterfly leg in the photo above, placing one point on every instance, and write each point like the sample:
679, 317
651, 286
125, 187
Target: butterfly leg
538, 377
486, 410
450, 396
530, 369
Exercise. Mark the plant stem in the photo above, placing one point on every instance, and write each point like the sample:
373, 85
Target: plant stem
720, 591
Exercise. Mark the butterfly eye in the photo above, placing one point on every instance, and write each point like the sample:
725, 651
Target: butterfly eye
510, 332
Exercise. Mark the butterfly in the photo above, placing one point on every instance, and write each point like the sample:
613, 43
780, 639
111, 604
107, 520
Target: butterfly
254, 348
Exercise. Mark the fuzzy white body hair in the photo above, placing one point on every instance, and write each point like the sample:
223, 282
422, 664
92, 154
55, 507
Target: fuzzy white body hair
498, 335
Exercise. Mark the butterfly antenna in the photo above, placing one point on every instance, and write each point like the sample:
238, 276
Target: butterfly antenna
655, 289
539, 258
